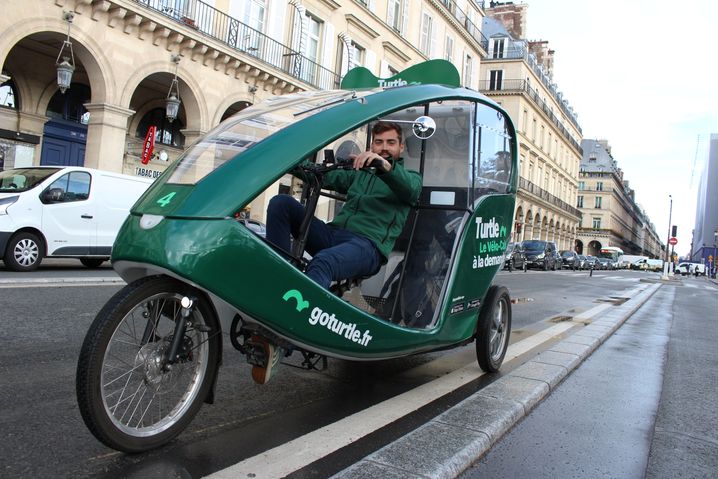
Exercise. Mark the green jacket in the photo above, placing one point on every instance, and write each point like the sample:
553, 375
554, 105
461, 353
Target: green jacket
377, 205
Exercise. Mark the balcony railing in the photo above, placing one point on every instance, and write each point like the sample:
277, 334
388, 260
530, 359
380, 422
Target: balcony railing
487, 87
526, 185
463, 19
216, 24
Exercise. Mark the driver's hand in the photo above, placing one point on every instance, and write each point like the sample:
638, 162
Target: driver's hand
365, 159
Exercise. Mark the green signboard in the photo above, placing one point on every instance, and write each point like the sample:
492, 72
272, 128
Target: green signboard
440, 72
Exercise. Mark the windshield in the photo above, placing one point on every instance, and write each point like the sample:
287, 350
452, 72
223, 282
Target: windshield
23, 179
534, 245
244, 130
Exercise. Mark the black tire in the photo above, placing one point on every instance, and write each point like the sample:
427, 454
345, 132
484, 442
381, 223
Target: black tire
92, 262
113, 361
493, 329
24, 252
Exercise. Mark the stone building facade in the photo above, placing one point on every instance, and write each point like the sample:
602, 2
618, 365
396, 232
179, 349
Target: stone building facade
548, 129
611, 216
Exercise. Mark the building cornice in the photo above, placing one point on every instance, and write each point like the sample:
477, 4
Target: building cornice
353, 20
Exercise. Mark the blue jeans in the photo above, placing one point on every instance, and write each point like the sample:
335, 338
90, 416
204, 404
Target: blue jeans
336, 253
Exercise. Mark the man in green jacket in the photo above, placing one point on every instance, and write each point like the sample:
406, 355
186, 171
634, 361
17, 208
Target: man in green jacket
358, 241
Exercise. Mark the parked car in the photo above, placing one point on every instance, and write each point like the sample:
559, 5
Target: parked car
592, 262
606, 263
559, 260
539, 254
514, 258
582, 262
570, 260
70, 212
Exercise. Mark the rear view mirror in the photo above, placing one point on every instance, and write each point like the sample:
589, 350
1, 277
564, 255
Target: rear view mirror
424, 127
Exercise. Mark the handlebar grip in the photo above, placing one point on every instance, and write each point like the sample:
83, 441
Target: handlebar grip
376, 164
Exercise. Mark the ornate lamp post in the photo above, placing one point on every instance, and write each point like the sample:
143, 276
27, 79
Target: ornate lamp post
172, 103
66, 67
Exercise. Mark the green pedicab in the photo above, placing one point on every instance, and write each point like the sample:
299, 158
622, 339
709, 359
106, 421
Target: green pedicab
196, 273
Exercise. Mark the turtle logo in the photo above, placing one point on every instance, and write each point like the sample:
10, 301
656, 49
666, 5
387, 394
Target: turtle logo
293, 293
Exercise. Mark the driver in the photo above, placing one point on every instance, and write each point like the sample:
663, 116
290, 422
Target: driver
359, 239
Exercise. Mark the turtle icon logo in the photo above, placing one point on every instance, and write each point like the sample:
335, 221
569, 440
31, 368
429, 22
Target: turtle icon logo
297, 296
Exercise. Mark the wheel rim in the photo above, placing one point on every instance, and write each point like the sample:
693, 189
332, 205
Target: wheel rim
139, 397
498, 330
26, 252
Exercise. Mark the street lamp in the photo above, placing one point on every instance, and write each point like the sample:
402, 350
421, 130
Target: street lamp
172, 103
670, 213
66, 67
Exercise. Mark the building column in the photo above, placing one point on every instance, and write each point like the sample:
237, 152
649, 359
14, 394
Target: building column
106, 134
35, 125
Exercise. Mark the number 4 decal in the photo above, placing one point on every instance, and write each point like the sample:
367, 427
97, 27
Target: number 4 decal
165, 200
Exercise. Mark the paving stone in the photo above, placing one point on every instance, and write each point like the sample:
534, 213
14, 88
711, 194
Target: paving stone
569, 361
549, 373
525, 391
371, 470
435, 450
580, 350
492, 416
579, 338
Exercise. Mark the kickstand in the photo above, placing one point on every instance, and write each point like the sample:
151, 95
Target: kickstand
310, 362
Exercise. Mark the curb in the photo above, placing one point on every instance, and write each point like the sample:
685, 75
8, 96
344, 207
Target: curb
454, 440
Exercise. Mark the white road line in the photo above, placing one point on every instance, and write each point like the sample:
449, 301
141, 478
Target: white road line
304, 450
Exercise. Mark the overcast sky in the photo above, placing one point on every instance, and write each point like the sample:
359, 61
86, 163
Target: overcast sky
643, 75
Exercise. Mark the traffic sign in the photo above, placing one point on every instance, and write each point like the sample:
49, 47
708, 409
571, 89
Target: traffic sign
673, 241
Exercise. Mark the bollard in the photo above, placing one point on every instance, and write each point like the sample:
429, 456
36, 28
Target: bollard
590, 271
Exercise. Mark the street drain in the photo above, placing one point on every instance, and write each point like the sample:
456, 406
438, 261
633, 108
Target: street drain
560, 319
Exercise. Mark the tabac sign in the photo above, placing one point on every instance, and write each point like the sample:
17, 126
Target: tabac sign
439, 72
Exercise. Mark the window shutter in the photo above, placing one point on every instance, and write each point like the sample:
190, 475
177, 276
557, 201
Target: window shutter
328, 47
390, 13
384, 69
404, 15
370, 61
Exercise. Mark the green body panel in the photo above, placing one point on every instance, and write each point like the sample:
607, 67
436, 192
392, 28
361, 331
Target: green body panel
440, 72
198, 239
226, 259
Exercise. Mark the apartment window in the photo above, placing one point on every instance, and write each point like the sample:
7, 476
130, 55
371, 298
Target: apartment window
425, 39
394, 14
449, 48
468, 71
581, 185
392, 71
599, 186
579, 203
358, 54
254, 13
533, 130
526, 121
499, 44
597, 223
495, 79
592, 159
312, 37
598, 202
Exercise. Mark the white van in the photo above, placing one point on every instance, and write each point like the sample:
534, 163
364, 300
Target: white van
67, 212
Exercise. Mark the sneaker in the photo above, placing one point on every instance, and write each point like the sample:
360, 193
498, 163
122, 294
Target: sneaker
272, 353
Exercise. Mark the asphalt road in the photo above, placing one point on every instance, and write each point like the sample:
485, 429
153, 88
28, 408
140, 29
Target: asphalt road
43, 324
